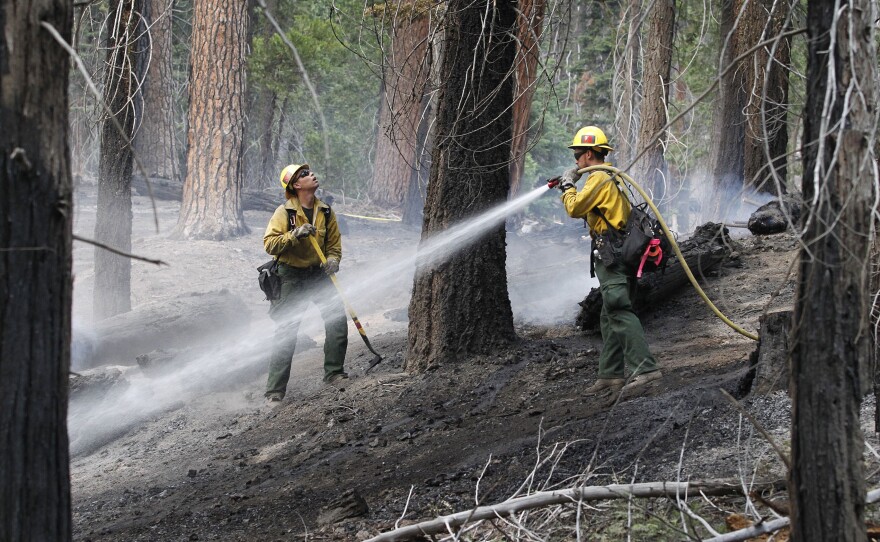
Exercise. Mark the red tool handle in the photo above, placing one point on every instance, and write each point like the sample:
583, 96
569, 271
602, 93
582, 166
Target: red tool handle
652, 251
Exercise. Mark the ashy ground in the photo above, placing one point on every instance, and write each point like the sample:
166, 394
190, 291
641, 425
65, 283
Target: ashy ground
195, 454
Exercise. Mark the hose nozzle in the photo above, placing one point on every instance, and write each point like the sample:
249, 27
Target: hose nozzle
553, 183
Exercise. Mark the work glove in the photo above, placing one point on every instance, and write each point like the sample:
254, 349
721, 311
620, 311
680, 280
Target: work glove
304, 231
331, 267
568, 179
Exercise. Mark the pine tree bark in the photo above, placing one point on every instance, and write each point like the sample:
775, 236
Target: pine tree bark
211, 207
461, 306
728, 129
626, 92
652, 168
155, 146
259, 160
831, 326
35, 271
765, 79
405, 76
529, 24
112, 290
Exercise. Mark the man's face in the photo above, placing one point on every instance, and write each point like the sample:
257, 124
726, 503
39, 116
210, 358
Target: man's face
581, 157
306, 180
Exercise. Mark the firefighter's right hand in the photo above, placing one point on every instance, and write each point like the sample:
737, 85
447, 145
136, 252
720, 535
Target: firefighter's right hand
304, 231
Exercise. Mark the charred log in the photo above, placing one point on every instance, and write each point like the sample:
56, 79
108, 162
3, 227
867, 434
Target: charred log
776, 216
704, 252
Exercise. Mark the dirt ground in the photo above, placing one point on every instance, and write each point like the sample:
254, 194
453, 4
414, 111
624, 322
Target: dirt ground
213, 462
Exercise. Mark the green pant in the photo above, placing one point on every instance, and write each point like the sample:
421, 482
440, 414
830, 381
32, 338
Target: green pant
300, 287
624, 339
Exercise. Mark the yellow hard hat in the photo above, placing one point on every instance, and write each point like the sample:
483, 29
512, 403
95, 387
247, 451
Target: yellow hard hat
290, 172
589, 137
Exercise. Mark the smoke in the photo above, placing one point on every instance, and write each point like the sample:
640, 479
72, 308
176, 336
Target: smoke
548, 274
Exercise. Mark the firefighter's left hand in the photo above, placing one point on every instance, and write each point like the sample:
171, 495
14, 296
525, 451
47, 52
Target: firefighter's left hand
331, 267
568, 179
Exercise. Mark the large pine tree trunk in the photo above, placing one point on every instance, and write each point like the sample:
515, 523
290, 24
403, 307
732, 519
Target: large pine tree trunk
35, 272
766, 81
529, 24
112, 290
461, 305
626, 91
211, 207
831, 327
154, 144
406, 74
258, 158
655, 97
728, 130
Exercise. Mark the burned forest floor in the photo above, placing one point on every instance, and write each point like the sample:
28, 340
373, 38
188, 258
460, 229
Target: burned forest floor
192, 451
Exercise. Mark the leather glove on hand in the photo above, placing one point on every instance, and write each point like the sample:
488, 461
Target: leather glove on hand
304, 231
568, 179
331, 267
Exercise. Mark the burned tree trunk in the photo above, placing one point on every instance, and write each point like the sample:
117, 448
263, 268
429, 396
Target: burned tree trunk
211, 207
35, 271
461, 305
112, 291
626, 91
704, 252
830, 338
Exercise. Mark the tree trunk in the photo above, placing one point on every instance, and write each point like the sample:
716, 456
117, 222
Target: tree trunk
652, 168
406, 75
35, 271
832, 319
729, 132
626, 94
112, 291
258, 159
211, 207
766, 84
154, 145
529, 24
461, 305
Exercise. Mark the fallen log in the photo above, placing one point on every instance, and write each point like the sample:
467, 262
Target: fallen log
178, 323
704, 252
673, 490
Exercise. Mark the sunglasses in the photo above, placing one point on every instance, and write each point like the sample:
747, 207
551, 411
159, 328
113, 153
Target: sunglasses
304, 173
578, 154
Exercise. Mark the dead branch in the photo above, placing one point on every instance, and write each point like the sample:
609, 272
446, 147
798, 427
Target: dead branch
571, 495
117, 251
772, 526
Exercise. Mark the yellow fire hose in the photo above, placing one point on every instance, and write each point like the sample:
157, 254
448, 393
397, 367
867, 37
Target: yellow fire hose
671, 238
357, 323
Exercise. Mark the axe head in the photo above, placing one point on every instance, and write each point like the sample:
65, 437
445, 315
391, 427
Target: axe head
373, 362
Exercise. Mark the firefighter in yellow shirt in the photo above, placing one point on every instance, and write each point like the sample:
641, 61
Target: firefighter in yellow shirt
304, 278
602, 204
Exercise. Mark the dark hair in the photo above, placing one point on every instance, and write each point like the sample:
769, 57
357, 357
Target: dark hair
600, 153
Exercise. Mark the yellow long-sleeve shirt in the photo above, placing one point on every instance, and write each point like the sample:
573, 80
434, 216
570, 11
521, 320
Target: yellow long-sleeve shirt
600, 192
279, 240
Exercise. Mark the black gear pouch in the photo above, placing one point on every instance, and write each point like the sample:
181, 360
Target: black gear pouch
269, 280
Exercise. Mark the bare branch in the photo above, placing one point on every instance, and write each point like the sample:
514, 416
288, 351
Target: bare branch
116, 251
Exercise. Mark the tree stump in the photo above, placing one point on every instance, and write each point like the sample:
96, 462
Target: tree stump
704, 252
769, 363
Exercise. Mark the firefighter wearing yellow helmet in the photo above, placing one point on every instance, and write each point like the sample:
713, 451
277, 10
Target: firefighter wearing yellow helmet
304, 279
606, 209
